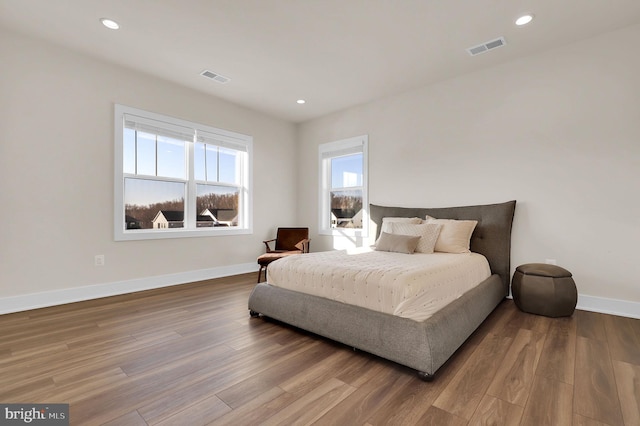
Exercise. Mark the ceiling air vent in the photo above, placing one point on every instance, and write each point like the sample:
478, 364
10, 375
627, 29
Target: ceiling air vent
215, 77
486, 46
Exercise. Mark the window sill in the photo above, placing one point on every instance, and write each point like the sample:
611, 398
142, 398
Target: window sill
178, 233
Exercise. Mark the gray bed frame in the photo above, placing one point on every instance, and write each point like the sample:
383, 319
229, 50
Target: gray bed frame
426, 345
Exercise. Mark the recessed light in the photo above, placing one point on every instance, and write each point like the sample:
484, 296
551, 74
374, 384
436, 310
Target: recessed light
524, 20
110, 23
301, 101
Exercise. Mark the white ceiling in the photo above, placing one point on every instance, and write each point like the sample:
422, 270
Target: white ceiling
333, 53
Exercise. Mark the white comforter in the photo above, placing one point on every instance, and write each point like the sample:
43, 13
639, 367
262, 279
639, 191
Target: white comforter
412, 286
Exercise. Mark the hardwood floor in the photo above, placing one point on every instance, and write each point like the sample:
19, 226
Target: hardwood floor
191, 355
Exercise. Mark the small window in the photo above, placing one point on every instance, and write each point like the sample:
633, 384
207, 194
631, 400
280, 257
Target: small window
178, 179
343, 187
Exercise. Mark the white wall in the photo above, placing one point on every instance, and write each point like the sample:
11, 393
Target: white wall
56, 177
558, 131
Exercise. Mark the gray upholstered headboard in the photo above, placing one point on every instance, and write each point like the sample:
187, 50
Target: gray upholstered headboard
491, 238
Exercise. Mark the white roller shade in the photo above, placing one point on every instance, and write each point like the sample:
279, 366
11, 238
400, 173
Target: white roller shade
221, 141
159, 128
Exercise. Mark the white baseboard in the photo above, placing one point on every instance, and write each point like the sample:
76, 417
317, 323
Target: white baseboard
618, 307
77, 294
622, 308
26, 302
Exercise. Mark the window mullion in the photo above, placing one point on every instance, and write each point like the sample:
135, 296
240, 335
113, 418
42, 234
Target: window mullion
217, 164
206, 175
191, 201
135, 153
156, 153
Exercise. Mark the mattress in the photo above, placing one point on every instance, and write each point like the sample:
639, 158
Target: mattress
413, 286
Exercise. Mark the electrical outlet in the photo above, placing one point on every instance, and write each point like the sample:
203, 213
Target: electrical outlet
99, 260
550, 262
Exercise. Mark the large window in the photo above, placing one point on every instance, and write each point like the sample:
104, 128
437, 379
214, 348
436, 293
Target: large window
174, 178
343, 187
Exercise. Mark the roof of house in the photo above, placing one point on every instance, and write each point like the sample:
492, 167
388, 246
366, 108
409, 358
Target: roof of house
173, 215
226, 214
223, 215
344, 213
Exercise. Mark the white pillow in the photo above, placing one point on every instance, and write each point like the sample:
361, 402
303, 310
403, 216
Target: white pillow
455, 235
386, 222
428, 233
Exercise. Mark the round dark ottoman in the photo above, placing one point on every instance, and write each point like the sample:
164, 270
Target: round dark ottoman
549, 290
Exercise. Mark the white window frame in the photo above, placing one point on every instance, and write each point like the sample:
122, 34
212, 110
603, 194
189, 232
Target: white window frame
190, 229
330, 150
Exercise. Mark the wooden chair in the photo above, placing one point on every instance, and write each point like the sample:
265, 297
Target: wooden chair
288, 241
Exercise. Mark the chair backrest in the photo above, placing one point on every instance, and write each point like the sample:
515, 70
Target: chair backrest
287, 238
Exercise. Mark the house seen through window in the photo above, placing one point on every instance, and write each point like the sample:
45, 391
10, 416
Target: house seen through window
346, 191
179, 176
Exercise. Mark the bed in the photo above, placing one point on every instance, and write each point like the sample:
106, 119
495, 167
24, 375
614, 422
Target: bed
423, 345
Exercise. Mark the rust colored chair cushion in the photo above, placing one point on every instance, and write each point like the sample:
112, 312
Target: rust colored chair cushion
267, 258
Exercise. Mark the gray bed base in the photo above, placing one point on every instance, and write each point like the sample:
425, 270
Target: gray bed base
426, 345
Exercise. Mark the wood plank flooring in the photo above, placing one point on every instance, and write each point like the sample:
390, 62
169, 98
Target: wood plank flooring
191, 355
